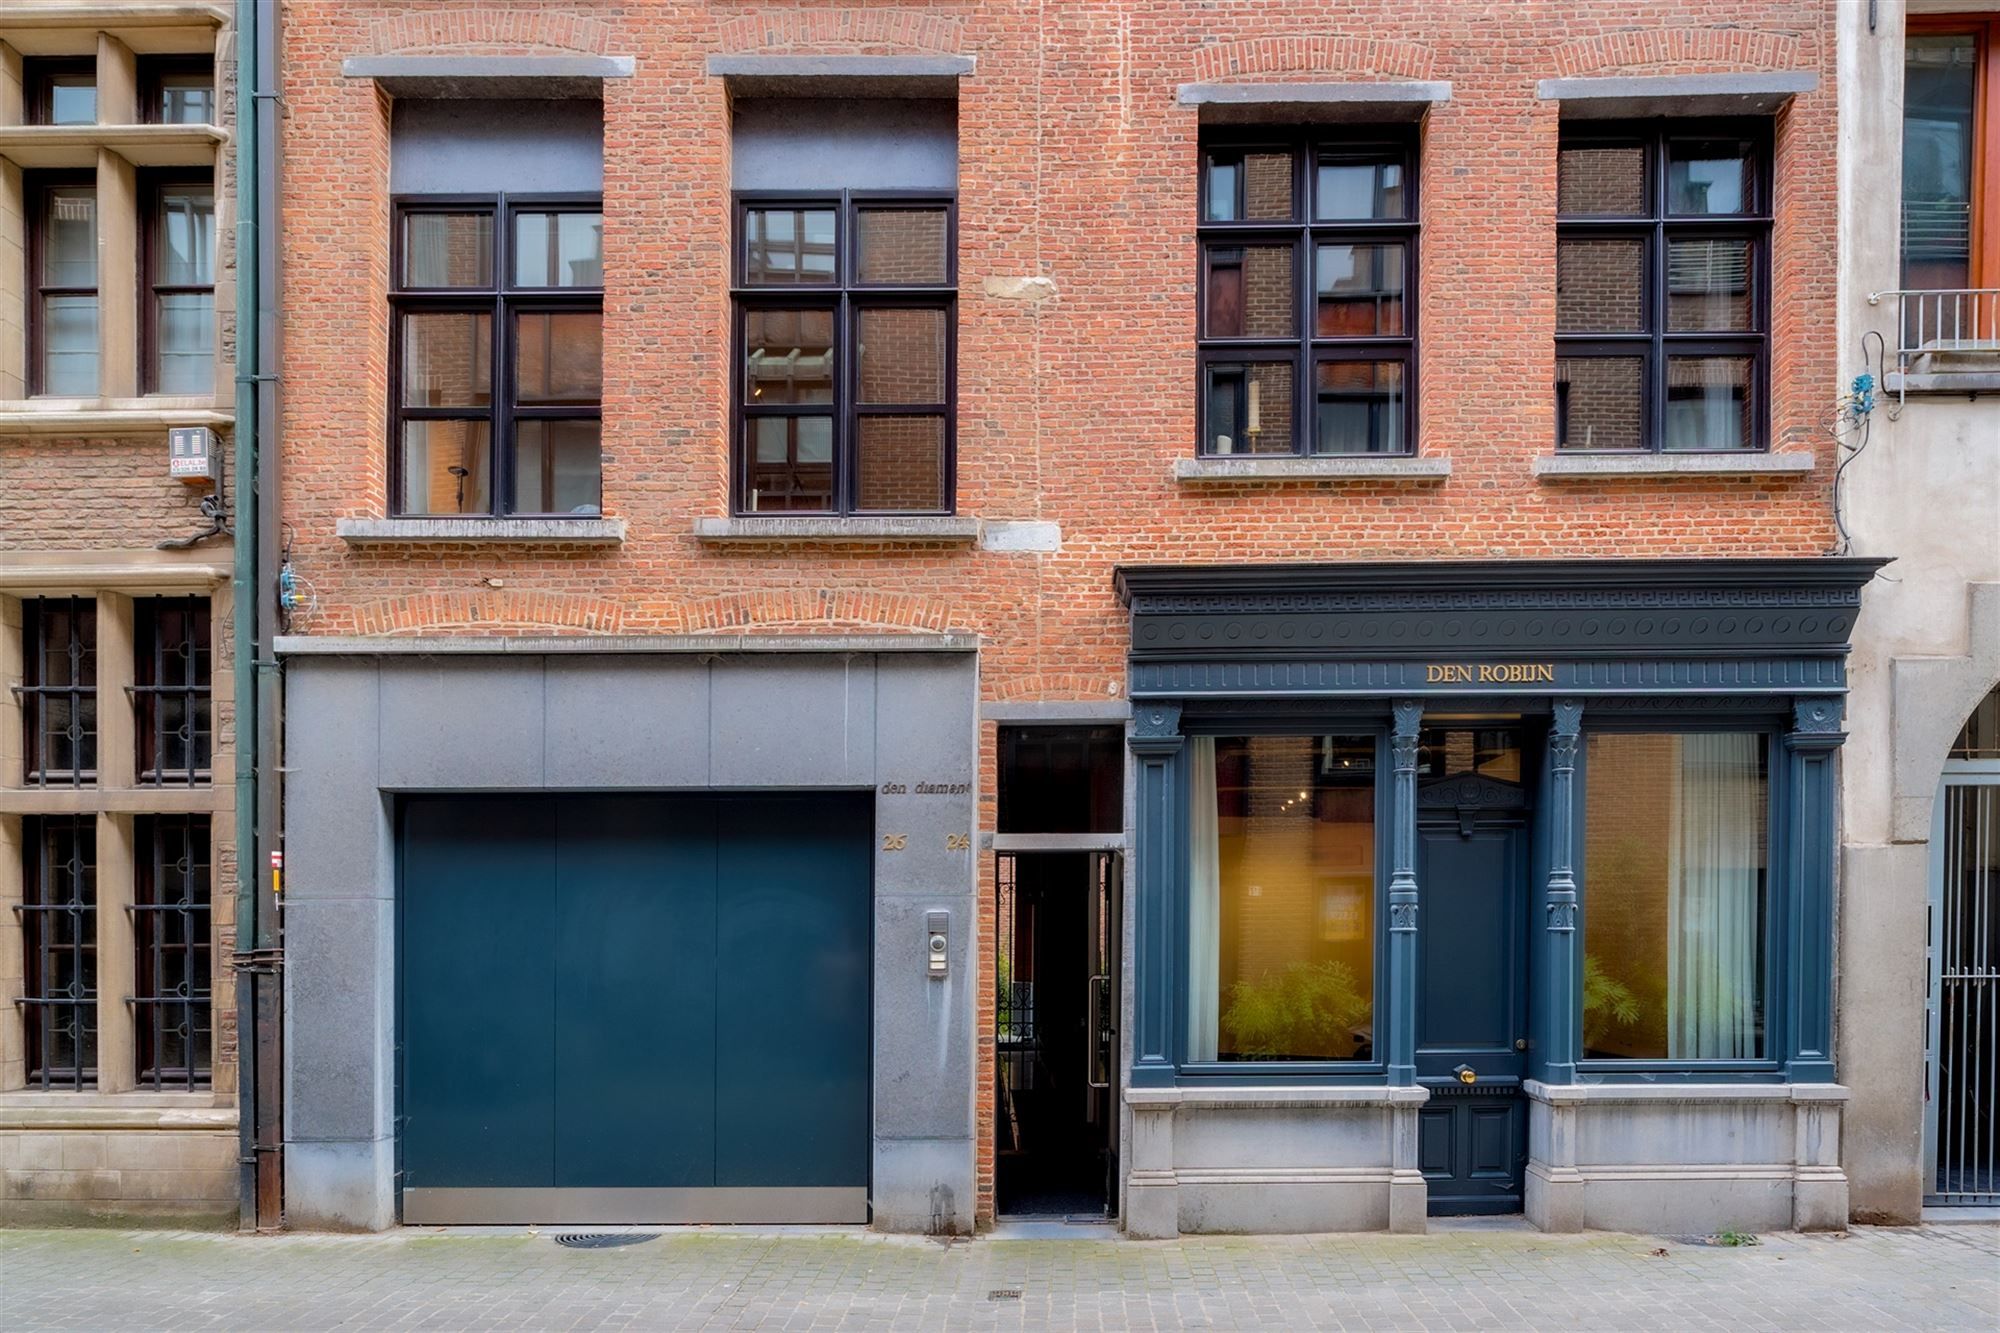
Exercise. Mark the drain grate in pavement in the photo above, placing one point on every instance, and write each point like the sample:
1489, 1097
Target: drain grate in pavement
604, 1240
1004, 1294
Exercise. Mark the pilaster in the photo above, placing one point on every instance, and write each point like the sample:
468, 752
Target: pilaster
1562, 1006
1158, 871
1809, 751
117, 1069
117, 276
117, 82
1409, 1192
1402, 1048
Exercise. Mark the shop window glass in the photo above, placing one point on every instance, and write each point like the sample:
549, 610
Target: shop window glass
1281, 929
1676, 887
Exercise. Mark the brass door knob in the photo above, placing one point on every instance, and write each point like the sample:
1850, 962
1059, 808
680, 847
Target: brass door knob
1520, 1043
1466, 1074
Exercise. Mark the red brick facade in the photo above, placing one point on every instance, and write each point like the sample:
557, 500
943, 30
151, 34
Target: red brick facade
1077, 166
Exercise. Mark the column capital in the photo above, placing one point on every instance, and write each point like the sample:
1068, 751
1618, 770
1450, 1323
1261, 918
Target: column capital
1156, 727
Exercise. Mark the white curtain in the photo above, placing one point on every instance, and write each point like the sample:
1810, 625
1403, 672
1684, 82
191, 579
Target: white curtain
1716, 865
1204, 902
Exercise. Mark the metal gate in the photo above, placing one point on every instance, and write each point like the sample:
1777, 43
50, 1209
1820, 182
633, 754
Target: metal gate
1962, 1068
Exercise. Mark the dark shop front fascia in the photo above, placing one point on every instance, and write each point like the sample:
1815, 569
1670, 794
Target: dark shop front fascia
1486, 888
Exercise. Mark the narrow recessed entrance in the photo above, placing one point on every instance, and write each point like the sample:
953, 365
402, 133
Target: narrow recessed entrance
1058, 926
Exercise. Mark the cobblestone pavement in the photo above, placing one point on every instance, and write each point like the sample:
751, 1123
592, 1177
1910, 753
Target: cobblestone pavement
1929, 1277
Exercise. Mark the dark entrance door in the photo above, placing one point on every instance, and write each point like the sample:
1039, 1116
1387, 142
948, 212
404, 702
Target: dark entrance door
1472, 995
634, 1008
1057, 1033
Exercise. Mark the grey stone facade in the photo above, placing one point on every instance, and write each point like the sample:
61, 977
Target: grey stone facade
367, 725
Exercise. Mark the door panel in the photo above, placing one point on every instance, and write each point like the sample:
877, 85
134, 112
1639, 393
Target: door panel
635, 1008
635, 992
478, 1033
1472, 933
792, 990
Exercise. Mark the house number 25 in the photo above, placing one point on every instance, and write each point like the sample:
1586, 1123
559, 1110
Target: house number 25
895, 842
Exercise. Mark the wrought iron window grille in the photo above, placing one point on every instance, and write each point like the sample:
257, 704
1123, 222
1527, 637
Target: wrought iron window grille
172, 1007
58, 919
58, 691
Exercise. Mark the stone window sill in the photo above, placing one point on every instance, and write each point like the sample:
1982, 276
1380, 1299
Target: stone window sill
430, 531
1275, 1097
34, 1111
1948, 382
38, 147
926, 528
1252, 468
1586, 467
117, 416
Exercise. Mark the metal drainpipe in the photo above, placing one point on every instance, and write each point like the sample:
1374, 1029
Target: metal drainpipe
244, 588
270, 698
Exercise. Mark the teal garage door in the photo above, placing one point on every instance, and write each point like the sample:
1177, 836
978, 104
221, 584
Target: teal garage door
634, 1008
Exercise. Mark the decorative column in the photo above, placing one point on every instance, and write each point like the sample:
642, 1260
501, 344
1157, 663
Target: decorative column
1152, 1195
1562, 1011
1158, 867
1402, 1046
1809, 840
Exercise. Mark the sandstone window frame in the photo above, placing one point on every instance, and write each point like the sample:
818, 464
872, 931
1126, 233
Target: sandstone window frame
155, 286
847, 299
505, 302
41, 189
1656, 228
1226, 361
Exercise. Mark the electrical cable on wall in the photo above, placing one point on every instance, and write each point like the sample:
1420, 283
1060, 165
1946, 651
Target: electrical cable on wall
1851, 429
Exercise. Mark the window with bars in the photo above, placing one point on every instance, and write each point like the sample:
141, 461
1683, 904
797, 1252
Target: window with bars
172, 1007
846, 323
171, 683
1662, 287
59, 690
498, 356
1307, 303
59, 950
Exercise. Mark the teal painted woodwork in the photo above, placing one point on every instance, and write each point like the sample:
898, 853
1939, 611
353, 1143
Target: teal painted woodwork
634, 991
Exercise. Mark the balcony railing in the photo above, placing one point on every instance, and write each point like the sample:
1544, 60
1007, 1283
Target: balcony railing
1951, 334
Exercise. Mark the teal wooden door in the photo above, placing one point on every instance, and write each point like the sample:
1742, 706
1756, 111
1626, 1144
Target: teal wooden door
634, 1008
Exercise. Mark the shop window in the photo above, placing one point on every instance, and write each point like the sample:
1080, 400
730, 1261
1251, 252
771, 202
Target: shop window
1676, 897
173, 1005
59, 950
1662, 276
171, 683
179, 286
59, 690
62, 311
1307, 338
177, 90
1282, 891
60, 91
846, 322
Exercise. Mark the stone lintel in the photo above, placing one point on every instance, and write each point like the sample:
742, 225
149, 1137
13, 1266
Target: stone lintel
1623, 97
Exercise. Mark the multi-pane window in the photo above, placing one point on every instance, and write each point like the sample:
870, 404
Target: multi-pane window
1676, 896
1662, 277
62, 259
170, 691
1307, 302
59, 690
60, 91
172, 1000
177, 90
59, 950
846, 321
1281, 899
499, 356
180, 287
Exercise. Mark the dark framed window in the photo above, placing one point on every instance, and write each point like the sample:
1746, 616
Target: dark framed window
845, 374
59, 950
62, 262
1663, 241
172, 1003
497, 355
59, 690
1307, 293
1284, 894
179, 284
60, 90
177, 90
1678, 938
170, 690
